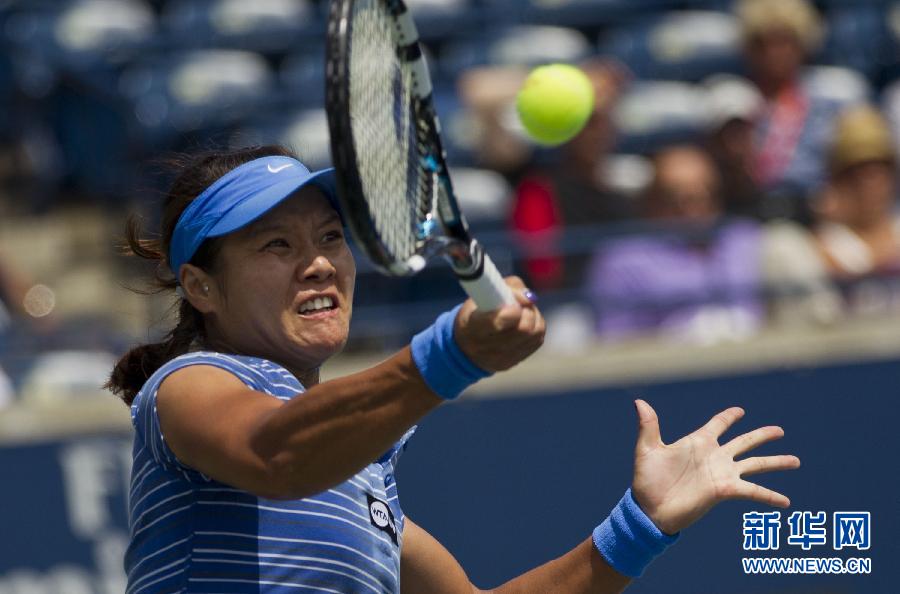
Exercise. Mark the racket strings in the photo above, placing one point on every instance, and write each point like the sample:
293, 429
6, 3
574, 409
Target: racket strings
388, 139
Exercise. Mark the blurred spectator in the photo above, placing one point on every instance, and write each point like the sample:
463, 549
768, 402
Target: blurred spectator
859, 232
794, 125
573, 192
489, 92
13, 292
733, 103
847, 261
697, 282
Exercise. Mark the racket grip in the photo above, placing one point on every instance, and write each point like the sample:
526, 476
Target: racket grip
489, 291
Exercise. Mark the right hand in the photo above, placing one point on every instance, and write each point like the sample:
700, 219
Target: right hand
497, 340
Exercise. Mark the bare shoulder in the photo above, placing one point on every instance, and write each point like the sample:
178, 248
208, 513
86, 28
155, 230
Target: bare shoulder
198, 389
208, 416
200, 379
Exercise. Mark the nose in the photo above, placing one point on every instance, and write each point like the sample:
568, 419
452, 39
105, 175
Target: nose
319, 269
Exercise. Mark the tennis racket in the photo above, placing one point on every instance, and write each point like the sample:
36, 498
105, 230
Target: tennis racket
392, 177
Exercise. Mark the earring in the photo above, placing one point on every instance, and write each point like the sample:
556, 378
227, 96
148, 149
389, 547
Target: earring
206, 288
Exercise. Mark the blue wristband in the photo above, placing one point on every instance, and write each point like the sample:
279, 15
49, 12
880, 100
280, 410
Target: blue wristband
444, 367
628, 539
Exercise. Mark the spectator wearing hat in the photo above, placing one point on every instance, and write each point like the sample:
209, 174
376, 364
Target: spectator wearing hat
733, 103
852, 255
794, 125
859, 233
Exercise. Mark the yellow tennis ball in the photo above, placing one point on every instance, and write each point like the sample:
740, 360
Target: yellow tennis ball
555, 103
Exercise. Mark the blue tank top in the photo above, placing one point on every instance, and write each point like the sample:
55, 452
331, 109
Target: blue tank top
191, 534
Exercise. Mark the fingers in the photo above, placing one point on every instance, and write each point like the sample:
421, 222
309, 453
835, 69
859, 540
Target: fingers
759, 494
515, 283
748, 441
648, 428
720, 423
525, 297
506, 318
497, 340
519, 315
524, 315
756, 465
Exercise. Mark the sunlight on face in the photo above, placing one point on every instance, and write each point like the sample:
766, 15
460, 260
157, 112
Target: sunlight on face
285, 285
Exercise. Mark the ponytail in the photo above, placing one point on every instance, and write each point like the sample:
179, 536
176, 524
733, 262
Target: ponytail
195, 174
138, 364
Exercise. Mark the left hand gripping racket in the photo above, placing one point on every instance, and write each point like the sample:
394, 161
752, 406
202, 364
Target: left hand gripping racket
392, 176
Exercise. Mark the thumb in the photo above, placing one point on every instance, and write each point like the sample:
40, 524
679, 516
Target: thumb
648, 427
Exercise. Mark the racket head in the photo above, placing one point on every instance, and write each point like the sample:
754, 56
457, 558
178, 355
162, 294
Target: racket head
383, 132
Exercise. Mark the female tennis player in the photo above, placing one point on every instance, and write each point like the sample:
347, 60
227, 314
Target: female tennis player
252, 476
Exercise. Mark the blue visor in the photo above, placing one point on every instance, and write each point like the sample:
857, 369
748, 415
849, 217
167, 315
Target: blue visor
238, 198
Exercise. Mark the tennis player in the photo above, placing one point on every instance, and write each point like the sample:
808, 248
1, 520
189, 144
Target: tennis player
252, 476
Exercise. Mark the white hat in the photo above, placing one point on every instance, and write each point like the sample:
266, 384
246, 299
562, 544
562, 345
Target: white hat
730, 98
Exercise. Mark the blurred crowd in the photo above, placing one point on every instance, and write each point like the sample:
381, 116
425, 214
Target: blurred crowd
780, 209
739, 169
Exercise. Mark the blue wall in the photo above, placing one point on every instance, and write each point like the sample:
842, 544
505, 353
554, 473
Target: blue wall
509, 484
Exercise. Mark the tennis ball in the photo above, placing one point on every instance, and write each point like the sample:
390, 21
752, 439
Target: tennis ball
555, 103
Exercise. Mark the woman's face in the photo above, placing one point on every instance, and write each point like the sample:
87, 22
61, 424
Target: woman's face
776, 57
867, 192
284, 285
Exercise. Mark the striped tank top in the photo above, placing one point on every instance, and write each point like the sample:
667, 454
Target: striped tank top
191, 534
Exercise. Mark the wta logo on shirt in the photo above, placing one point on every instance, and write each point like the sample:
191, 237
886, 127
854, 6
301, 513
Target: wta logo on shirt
382, 517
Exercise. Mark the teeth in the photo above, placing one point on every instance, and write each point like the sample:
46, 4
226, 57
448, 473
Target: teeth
317, 304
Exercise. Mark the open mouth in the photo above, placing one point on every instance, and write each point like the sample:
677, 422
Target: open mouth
317, 305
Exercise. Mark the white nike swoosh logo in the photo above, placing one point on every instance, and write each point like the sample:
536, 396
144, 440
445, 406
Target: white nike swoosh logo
279, 168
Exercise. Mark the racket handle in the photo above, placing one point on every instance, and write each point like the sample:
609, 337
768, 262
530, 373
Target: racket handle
489, 291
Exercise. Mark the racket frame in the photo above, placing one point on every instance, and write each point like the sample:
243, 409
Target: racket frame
451, 237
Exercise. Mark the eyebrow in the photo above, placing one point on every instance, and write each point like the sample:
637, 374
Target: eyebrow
261, 229
275, 227
332, 218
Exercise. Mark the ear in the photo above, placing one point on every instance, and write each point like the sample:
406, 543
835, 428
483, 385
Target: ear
199, 288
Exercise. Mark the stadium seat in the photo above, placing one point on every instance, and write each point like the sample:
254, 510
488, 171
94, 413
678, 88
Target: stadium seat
305, 131
261, 25
684, 45
438, 20
653, 113
86, 39
890, 59
857, 37
195, 90
58, 377
484, 196
302, 76
842, 85
890, 103
574, 13
627, 174
518, 45
81, 32
456, 123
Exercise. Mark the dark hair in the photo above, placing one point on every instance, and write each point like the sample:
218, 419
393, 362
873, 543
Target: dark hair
194, 173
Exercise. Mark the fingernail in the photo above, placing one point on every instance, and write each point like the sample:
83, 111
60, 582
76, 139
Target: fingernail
529, 295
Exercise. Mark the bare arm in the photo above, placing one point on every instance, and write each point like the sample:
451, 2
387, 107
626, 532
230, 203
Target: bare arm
426, 567
13, 287
675, 484
215, 424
